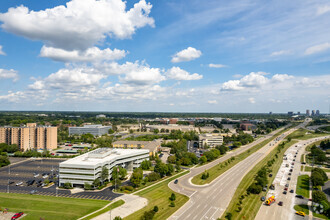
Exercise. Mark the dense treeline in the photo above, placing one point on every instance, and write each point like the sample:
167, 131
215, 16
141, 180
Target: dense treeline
238, 140
269, 126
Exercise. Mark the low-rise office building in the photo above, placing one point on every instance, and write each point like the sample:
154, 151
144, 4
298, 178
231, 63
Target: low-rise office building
211, 140
88, 167
96, 130
152, 146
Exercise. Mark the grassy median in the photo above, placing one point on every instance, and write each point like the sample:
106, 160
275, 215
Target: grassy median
302, 187
107, 209
304, 134
251, 203
303, 208
220, 168
158, 195
49, 207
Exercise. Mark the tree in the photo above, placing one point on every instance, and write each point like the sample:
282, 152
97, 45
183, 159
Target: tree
161, 168
202, 159
254, 188
153, 176
170, 169
104, 174
229, 216
136, 177
87, 186
321, 172
156, 209
319, 196
122, 173
67, 185
118, 218
171, 159
4, 160
148, 215
172, 197
156, 131
317, 179
97, 182
146, 164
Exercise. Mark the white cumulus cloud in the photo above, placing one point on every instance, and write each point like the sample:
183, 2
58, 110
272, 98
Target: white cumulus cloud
179, 74
252, 100
186, 55
9, 74
317, 48
323, 9
79, 24
281, 53
1, 51
212, 101
213, 65
89, 55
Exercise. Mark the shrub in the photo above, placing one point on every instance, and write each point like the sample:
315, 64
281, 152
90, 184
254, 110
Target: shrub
172, 197
156, 209
153, 176
172, 204
128, 188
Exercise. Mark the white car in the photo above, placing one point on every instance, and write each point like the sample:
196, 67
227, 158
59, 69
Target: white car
19, 183
36, 175
46, 176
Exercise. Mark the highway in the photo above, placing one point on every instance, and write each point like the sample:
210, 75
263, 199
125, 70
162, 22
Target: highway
211, 200
287, 211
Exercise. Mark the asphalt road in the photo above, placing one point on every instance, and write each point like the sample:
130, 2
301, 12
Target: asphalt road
274, 211
210, 201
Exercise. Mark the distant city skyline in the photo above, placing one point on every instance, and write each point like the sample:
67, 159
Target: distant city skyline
165, 56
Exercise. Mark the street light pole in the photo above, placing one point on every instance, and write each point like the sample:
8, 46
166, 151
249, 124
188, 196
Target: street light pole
8, 187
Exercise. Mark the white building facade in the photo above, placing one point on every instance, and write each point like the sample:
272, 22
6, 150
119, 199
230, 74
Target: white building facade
211, 140
96, 130
88, 167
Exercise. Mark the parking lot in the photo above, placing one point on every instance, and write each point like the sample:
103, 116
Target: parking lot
17, 176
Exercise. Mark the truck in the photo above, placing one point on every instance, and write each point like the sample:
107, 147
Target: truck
270, 200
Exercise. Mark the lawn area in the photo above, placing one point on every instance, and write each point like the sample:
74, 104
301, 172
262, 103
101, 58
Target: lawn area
303, 186
317, 143
320, 216
251, 203
110, 207
304, 134
302, 158
49, 207
158, 195
219, 169
303, 208
308, 169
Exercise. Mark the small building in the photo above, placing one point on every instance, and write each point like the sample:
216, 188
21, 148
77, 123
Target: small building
87, 167
96, 130
248, 126
210, 139
152, 146
101, 116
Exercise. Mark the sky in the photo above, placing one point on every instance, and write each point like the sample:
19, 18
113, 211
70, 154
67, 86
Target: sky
165, 55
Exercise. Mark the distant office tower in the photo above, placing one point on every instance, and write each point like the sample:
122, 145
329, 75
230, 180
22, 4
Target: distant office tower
290, 113
308, 112
298, 113
317, 112
270, 113
313, 112
30, 136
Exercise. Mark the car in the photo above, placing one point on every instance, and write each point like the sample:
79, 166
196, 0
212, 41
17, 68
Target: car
303, 163
294, 159
19, 183
291, 191
287, 165
292, 163
264, 189
17, 215
300, 213
284, 192
287, 185
11, 182
289, 174
270, 175
295, 155
299, 196
36, 175
280, 203
33, 192
290, 170
286, 188
289, 178
262, 198
176, 181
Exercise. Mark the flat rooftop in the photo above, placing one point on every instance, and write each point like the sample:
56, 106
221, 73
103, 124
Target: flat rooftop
102, 155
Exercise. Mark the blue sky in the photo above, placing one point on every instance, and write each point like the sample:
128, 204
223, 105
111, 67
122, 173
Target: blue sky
205, 56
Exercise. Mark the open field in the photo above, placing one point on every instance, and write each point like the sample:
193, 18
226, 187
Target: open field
251, 203
158, 195
303, 186
303, 208
110, 207
303, 134
219, 169
47, 207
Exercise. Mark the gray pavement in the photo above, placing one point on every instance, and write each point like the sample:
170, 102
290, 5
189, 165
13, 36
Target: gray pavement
286, 211
210, 201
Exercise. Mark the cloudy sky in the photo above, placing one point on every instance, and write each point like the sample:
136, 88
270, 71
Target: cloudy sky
205, 56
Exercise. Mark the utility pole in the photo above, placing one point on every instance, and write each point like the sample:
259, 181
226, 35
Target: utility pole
9, 169
8, 187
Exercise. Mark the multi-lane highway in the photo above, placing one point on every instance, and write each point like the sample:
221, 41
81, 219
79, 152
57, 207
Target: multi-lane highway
287, 211
210, 201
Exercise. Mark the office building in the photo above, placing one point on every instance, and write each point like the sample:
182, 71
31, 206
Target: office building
87, 167
211, 140
290, 113
96, 130
248, 126
30, 136
313, 112
308, 112
152, 146
317, 112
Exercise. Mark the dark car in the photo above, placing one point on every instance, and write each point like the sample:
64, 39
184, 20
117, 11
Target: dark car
270, 175
294, 159
284, 192
289, 178
280, 203
17, 215
287, 185
11, 182
291, 191
176, 181
299, 196
290, 170
289, 174
262, 198
286, 188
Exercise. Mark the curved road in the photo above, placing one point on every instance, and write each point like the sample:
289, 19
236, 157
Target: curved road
210, 201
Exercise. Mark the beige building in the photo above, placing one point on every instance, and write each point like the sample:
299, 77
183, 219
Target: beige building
30, 136
212, 140
152, 146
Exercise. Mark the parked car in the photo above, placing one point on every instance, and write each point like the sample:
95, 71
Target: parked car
262, 198
19, 183
291, 191
286, 188
289, 178
300, 213
33, 192
289, 174
270, 175
299, 196
280, 203
17, 215
11, 182
284, 192
176, 181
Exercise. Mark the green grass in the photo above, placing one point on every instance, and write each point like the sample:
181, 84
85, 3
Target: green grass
49, 207
308, 169
158, 195
301, 168
219, 169
303, 208
303, 186
304, 134
251, 203
327, 128
302, 158
110, 207
308, 147
320, 216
